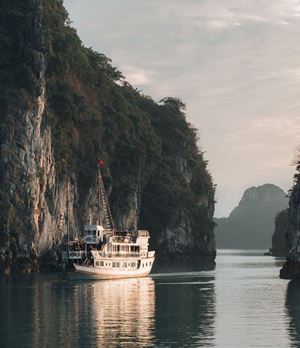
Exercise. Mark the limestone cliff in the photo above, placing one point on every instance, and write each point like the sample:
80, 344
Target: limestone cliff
291, 269
62, 107
279, 236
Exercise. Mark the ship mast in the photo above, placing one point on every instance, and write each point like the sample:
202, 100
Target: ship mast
103, 201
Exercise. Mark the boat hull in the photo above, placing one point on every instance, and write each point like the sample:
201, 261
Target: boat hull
93, 273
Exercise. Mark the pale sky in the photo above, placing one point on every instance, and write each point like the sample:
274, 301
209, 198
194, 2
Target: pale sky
235, 63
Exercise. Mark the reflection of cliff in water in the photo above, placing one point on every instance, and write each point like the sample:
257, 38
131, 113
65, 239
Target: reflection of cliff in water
185, 310
293, 309
165, 265
41, 312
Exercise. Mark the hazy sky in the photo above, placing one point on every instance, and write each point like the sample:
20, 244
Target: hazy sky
236, 64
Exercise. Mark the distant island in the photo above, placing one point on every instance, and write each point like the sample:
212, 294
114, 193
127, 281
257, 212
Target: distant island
251, 224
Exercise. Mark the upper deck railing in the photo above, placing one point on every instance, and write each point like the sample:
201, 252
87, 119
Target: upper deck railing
120, 254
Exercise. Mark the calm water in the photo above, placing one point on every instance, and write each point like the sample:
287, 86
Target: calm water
242, 303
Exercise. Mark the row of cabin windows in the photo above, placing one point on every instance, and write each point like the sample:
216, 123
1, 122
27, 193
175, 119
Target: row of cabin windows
115, 264
128, 248
146, 264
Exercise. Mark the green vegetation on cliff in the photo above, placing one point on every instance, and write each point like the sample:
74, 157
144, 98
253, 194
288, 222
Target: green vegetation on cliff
93, 113
18, 69
95, 117
290, 226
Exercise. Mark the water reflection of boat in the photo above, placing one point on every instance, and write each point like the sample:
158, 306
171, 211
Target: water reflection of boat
124, 310
47, 312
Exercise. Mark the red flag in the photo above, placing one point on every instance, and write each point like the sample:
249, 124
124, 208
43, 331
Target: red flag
101, 163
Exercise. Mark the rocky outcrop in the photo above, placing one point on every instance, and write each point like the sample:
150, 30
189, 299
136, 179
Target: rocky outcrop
55, 127
279, 236
291, 269
27, 166
181, 239
251, 224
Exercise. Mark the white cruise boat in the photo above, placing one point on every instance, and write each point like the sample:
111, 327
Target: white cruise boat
105, 253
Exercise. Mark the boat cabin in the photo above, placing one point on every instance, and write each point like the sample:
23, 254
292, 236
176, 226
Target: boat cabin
93, 234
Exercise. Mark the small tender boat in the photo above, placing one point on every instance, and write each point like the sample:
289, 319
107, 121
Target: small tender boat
105, 253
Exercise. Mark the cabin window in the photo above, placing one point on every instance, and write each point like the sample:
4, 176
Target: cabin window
105, 263
101, 263
133, 264
124, 264
116, 247
97, 263
146, 263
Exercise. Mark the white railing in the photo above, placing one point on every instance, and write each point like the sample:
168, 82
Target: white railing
112, 254
118, 254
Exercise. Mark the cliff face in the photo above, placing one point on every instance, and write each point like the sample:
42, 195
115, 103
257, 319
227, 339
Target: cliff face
62, 107
279, 236
291, 269
251, 224
26, 152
